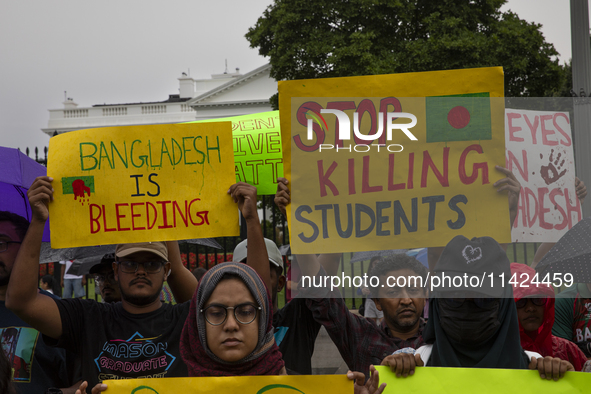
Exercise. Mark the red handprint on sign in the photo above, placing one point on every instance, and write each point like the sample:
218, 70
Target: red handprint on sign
550, 173
79, 188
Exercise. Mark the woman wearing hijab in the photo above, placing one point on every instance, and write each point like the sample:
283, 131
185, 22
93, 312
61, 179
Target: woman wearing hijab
535, 310
229, 329
470, 328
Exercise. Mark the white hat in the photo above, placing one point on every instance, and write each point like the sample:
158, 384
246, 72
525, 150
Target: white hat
272, 250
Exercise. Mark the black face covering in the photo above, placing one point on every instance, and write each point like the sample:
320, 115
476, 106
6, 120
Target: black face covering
475, 332
469, 323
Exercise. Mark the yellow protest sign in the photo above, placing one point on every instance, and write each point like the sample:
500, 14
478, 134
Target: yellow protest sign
257, 149
405, 159
428, 380
141, 183
304, 384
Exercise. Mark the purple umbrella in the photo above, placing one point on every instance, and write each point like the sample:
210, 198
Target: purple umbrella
17, 173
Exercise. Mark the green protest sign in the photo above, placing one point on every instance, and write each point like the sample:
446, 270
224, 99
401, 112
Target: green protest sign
257, 149
482, 381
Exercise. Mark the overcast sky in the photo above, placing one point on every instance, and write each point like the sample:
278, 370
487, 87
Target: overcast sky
134, 50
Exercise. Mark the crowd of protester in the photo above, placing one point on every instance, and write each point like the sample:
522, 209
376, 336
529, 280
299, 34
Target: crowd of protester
226, 321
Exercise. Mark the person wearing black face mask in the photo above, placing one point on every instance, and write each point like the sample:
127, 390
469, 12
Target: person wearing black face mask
469, 328
470, 321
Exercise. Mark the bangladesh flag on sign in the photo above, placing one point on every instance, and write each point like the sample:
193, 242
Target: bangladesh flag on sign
461, 117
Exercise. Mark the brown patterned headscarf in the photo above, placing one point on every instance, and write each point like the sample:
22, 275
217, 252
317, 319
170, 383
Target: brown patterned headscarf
265, 359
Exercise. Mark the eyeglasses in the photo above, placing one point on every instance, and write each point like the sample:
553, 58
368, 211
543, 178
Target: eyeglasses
4, 245
151, 267
522, 302
101, 278
216, 314
480, 302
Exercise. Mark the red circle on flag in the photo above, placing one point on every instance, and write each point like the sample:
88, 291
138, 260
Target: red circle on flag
458, 117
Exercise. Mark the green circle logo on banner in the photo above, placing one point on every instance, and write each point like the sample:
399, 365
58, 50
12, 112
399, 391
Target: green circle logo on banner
278, 386
137, 389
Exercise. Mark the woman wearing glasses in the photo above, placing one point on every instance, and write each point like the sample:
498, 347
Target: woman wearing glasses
229, 329
535, 310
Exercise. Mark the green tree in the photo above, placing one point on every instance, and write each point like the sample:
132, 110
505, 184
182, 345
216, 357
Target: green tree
564, 90
327, 38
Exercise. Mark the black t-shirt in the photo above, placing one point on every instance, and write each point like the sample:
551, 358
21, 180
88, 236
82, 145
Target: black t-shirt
295, 334
36, 365
116, 344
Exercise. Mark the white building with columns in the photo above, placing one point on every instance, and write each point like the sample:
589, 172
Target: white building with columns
227, 94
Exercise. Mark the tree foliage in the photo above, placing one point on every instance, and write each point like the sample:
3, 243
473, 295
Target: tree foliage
327, 38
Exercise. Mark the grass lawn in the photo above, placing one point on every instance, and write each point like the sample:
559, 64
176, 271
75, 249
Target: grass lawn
90, 291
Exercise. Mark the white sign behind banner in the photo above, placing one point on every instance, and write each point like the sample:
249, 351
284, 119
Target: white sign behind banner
539, 151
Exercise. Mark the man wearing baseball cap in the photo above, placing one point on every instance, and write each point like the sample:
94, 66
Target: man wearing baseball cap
104, 278
137, 337
295, 327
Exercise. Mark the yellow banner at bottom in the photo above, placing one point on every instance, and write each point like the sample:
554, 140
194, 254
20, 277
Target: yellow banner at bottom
482, 381
305, 384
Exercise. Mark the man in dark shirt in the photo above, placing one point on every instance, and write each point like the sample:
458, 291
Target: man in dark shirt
360, 341
137, 337
295, 327
37, 366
